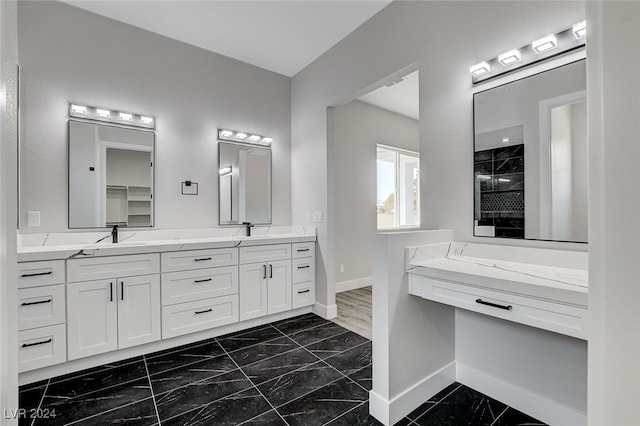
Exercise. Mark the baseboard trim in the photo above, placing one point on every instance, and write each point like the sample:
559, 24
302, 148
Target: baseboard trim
326, 312
535, 405
353, 284
391, 411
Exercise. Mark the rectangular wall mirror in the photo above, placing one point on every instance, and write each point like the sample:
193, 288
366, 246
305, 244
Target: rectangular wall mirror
110, 176
530, 157
244, 184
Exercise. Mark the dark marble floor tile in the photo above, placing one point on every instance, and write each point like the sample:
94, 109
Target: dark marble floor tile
68, 410
464, 406
197, 394
190, 373
513, 417
313, 335
359, 416
270, 418
228, 411
278, 365
141, 413
363, 377
292, 385
336, 344
432, 401
241, 340
263, 350
97, 380
324, 404
119, 365
188, 355
354, 359
296, 324
33, 385
29, 398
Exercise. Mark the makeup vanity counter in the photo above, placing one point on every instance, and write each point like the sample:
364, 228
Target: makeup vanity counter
503, 282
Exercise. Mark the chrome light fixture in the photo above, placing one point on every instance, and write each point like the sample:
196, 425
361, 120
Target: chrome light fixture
244, 137
110, 116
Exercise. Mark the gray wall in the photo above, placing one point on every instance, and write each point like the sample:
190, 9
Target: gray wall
70, 55
357, 128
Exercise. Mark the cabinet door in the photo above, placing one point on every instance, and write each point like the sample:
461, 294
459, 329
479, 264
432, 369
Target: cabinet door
138, 310
253, 291
92, 315
279, 286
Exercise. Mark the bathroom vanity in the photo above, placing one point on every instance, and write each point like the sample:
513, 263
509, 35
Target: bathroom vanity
84, 303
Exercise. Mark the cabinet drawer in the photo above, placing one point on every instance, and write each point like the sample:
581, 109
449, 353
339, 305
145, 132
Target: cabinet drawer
303, 270
97, 268
300, 250
268, 253
548, 315
41, 347
189, 286
33, 274
198, 259
41, 306
303, 295
201, 315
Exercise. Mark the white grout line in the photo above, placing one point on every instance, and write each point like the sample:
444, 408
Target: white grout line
41, 401
434, 405
500, 415
153, 396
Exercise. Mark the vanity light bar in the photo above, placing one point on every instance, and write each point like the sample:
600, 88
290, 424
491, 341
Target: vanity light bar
541, 49
111, 116
233, 136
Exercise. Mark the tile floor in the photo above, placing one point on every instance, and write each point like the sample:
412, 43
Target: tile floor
301, 371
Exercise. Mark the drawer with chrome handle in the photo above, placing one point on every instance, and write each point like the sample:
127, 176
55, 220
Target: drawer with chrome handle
33, 274
41, 306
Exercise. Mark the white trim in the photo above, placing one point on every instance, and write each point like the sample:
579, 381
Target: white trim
326, 312
535, 405
391, 411
353, 284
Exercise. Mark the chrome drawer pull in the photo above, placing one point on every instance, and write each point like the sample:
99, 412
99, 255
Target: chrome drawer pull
203, 312
36, 303
202, 281
304, 267
201, 259
304, 291
26, 345
36, 274
495, 305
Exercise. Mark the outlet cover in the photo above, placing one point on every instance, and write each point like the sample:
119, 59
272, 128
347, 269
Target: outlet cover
33, 218
317, 217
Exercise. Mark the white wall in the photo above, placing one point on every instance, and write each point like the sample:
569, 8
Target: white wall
357, 128
68, 54
580, 162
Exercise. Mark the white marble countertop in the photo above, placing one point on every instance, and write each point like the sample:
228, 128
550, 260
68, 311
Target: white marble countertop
556, 275
52, 246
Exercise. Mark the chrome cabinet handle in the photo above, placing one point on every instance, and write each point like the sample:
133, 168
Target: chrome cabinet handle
494, 305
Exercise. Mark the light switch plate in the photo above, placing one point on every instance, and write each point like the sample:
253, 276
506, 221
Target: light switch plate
317, 217
33, 218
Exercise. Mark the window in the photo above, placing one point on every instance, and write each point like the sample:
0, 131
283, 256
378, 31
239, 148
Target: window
398, 195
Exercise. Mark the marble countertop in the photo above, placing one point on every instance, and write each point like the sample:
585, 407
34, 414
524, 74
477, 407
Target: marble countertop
557, 275
53, 246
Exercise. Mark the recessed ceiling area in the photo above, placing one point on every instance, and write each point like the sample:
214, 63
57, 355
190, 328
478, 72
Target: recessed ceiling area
401, 97
280, 36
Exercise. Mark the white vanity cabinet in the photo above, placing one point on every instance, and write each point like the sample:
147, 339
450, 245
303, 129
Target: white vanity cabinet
303, 274
265, 280
113, 312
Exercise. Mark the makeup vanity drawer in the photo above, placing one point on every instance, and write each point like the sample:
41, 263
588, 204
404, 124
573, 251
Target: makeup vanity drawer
41, 347
41, 306
198, 259
190, 317
268, 253
99, 268
303, 270
33, 274
303, 249
303, 294
190, 286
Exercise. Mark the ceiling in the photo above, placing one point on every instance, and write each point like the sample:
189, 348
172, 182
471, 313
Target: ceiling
401, 96
280, 36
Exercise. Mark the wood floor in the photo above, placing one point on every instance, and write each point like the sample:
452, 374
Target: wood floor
354, 311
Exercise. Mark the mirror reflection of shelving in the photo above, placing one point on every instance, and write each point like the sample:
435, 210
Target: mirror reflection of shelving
129, 205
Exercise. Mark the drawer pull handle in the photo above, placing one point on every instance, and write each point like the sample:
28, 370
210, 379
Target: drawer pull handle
201, 259
40, 302
304, 291
36, 274
44, 342
301, 250
495, 305
204, 312
304, 267
202, 281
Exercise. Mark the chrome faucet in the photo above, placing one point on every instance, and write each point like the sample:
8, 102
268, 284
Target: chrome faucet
248, 226
114, 234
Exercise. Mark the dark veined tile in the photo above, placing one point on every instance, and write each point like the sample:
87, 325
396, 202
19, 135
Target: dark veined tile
164, 361
292, 385
29, 386
278, 365
324, 404
354, 359
513, 417
464, 406
270, 418
232, 410
296, 324
29, 398
336, 344
141, 413
432, 401
119, 365
313, 335
197, 394
363, 377
263, 350
359, 416
250, 337
190, 373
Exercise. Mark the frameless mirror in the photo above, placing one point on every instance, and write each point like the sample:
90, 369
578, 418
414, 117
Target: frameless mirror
530, 157
244, 184
110, 176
